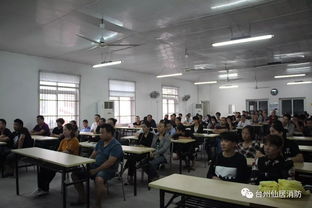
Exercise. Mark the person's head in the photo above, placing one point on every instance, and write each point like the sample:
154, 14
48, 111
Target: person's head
180, 115
161, 128
107, 132
255, 117
97, 117
229, 119
85, 123
309, 122
149, 118
286, 118
112, 122
243, 118
208, 118
137, 119
228, 141
146, 127
166, 116
218, 114
69, 130
178, 120
40, 120
73, 122
247, 133
196, 120
213, 120
223, 121
273, 145
60, 122
2, 123
200, 117
173, 116
181, 129
102, 121
18, 124
273, 113
277, 129
188, 115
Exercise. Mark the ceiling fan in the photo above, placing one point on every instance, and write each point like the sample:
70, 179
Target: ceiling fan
101, 43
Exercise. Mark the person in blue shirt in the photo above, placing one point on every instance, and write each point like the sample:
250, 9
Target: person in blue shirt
107, 154
86, 127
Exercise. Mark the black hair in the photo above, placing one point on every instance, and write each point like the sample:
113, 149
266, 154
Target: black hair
287, 115
74, 122
218, 113
180, 114
98, 115
251, 131
85, 121
109, 128
273, 139
114, 120
3, 121
229, 136
181, 127
179, 118
19, 122
278, 126
40, 117
103, 119
195, 118
71, 128
60, 120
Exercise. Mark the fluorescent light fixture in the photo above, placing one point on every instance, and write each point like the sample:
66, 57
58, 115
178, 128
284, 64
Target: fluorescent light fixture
232, 75
234, 3
242, 40
109, 63
202, 83
299, 69
289, 75
289, 55
299, 82
298, 64
228, 86
169, 75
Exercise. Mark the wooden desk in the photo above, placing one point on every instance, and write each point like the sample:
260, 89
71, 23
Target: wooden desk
43, 138
131, 150
179, 141
305, 167
130, 137
305, 148
60, 161
88, 134
128, 128
3, 143
219, 190
206, 135
300, 138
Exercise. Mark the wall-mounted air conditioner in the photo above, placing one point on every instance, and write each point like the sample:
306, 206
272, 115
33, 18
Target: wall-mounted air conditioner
198, 108
106, 109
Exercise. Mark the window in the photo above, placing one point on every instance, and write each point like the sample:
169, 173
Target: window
255, 105
292, 106
123, 95
169, 100
59, 97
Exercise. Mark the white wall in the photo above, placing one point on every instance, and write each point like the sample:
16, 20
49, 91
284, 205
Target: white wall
221, 98
19, 87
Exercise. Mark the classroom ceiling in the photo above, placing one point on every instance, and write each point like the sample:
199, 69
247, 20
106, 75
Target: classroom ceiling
173, 35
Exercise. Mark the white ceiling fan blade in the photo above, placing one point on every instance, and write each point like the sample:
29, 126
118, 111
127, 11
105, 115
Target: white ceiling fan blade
86, 38
121, 44
93, 47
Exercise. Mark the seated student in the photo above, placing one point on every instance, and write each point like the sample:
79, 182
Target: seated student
151, 121
172, 119
184, 151
95, 123
218, 116
178, 121
299, 125
107, 154
41, 128
307, 129
145, 139
230, 122
85, 125
137, 122
162, 153
288, 125
70, 145
272, 166
243, 122
75, 127
290, 147
20, 138
58, 130
170, 130
273, 117
4, 132
112, 122
249, 146
213, 124
229, 165
102, 121
188, 120
197, 127
223, 127
166, 118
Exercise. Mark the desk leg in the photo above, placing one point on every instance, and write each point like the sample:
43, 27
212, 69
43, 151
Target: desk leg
64, 187
88, 188
135, 180
37, 167
180, 164
162, 199
16, 174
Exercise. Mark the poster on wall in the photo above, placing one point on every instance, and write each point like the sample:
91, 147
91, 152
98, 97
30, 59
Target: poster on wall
273, 106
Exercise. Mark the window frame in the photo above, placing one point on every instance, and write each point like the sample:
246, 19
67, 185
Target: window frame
292, 103
176, 100
257, 101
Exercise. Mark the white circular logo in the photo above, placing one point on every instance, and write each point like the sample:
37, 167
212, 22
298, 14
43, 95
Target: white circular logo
249, 195
244, 191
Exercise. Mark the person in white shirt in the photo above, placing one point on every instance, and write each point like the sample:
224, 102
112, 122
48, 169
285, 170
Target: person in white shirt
94, 125
243, 122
